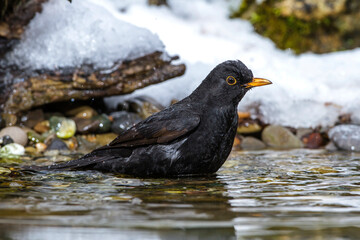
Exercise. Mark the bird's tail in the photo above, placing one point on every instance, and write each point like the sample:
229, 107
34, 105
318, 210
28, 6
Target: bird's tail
83, 163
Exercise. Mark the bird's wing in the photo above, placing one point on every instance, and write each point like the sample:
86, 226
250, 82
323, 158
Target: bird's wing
159, 128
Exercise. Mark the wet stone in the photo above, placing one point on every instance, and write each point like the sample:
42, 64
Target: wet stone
17, 134
313, 140
57, 144
42, 127
85, 112
346, 137
144, 106
251, 143
32, 118
9, 119
123, 121
34, 137
280, 137
5, 140
63, 127
97, 124
12, 149
248, 126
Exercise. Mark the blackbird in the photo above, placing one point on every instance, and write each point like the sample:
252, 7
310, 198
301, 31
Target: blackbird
191, 137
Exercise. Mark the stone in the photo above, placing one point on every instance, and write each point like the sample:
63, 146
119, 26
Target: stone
5, 140
57, 144
280, 137
17, 134
346, 137
123, 121
85, 112
32, 118
144, 106
42, 127
243, 115
96, 124
9, 119
40, 147
251, 143
247, 126
313, 140
12, 149
63, 127
34, 137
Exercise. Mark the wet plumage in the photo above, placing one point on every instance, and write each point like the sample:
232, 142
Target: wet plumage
193, 136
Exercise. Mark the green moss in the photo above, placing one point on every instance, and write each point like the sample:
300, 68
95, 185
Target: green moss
286, 32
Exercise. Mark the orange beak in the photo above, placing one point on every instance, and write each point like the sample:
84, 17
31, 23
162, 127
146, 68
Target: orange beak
257, 82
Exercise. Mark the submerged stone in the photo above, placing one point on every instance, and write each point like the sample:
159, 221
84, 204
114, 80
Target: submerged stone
346, 137
17, 134
280, 137
96, 124
42, 127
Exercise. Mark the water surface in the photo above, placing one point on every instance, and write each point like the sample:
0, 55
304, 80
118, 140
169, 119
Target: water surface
299, 194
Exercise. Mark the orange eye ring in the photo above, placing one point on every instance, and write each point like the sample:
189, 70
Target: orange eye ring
231, 80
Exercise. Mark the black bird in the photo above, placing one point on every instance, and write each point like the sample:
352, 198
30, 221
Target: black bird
191, 137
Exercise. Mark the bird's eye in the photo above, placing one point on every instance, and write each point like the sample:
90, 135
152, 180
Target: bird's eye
230, 80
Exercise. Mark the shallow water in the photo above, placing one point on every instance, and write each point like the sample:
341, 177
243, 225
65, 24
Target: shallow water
298, 194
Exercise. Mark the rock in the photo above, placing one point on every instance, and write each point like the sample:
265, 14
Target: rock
97, 124
34, 137
331, 147
84, 112
42, 127
40, 147
32, 118
17, 134
12, 149
308, 25
5, 140
346, 137
247, 126
8, 118
123, 121
63, 127
102, 139
57, 144
144, 106
280, 137
313, 140
251, 143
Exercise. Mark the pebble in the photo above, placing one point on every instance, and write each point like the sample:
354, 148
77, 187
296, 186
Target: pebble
280, 137
9, 119
313, 140
346, 137
123, 121
143, 105
34, 137
32, 118
17, 134
84, 112
40, 147
42, 127
12, 149
248, 126
251, 143
57, 144
63, 127
96, 124
5, 140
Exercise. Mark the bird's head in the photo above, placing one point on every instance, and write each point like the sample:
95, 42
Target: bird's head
229, 81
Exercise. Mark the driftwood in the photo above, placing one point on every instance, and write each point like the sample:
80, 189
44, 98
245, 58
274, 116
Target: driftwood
22, 90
